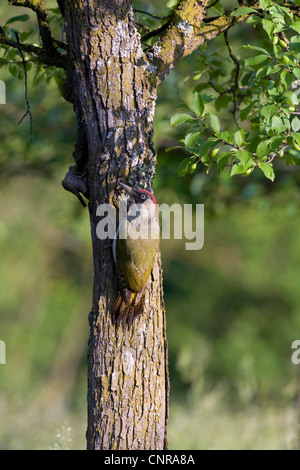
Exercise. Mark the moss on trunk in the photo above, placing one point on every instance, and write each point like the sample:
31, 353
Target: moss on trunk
114, 101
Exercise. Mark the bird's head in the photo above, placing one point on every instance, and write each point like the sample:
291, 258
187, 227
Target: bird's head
141, 196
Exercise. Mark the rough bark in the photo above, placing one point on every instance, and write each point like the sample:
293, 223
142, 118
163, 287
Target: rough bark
114, 100
112, 84
186, 31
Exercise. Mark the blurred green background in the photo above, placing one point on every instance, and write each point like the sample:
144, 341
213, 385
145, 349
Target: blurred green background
232, 307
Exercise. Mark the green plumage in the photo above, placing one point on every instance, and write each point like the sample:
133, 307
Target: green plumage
135, 260
134, 250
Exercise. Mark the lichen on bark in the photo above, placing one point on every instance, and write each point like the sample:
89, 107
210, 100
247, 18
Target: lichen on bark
128, 374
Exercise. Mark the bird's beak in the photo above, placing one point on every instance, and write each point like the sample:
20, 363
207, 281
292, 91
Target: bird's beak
128, 189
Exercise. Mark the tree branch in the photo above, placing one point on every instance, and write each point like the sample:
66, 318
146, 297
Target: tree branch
39, 52
185, 33
48, 54
235, 86
23, 47
39, 7
28, 111
212, 4
177, 40
155, 32
151, 14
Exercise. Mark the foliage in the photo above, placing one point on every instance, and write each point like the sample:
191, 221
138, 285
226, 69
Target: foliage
11, 56
260, 91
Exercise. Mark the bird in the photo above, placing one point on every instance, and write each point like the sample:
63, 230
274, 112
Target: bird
135, 246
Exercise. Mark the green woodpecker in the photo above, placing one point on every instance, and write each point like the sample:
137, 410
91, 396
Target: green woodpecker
134, 249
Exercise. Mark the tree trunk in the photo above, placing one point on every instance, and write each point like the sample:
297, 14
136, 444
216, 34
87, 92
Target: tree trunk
114, 98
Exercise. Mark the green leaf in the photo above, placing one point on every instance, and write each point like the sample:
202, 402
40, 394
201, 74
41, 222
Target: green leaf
13, 70
215, 122
183, 107
255, 48
263, 149
183, 167
275, 142
55, 10
274, 90
277, 124
273, 69
222, 161
296, 124
238, 169
254, 20
204, 149
202, 86
208, 98
286, 78
171, 3
295, 43
198, 104
227, 136
295, 26
244, 156
262, 72
256, 60
286, 112
268, 26
287, 11
296, 72
239, 137
149, 21
180, 118
277, 51
265, 4
291, 97
223, 101
286, 123
245, 112
219, 8
242, 11
296, 136
267, 170
22, 18
269, 111
191, 139
168, 149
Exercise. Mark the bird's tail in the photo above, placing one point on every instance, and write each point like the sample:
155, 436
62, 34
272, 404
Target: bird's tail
127, 306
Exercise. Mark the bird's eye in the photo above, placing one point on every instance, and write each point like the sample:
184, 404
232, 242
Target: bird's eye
143, 197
